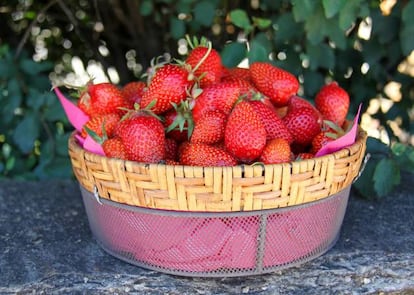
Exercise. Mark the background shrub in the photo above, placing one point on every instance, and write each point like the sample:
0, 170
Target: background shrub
366, 46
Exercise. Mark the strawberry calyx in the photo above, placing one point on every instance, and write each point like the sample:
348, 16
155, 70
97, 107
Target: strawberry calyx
184, 118
99, 139
155, 64
332, 130
138, 110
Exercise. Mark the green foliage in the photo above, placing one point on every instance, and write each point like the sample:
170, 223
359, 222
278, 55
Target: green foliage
382, 172
318, 41
33, 129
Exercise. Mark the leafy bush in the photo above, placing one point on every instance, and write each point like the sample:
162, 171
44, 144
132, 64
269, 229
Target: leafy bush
33, 129
364, 45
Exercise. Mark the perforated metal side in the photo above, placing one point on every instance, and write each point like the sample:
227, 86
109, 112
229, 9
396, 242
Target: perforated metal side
216, 244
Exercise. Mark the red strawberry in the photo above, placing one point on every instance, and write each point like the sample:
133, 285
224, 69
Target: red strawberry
143, 137
238, 73
247, 88
133, 91
171, 149
276, 151
245, 134
303, 124
275, 128
220, 96
296, 102
320, 140
101, 124
169, 85
205, 63
299, 102
274, 82
114, 148
179, 122
209, 128
333, 102
171, 162
330, 132
103, 98
200, 154
304, 156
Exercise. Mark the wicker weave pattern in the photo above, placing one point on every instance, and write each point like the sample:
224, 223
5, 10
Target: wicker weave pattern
238, 188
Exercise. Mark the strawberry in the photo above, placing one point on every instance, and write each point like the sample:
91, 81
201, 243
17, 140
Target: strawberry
169, 85
276, 151
178, 122
143, 137
299, 102
296, 102
333, 102
200, 154
274, 82
320, 140
103, 98
275, 128
303, 124
114, 148
220, 96
247, 88
171, 149
304, 156
205, 63
101, 124
238, 73
133, 91
171, 162
209, 128
330, 132
245, 134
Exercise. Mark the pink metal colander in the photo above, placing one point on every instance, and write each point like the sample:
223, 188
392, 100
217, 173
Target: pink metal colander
209, 244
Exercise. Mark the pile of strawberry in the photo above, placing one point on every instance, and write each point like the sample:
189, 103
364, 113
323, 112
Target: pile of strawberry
200, 113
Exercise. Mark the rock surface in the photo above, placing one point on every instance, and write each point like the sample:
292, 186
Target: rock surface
46, 247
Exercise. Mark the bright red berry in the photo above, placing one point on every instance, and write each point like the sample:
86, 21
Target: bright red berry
206, 65
168, 86
200, 154
143, 137
133, 91
102, 124
217, 97
274, 82
303, 124
333, 102
245, 134
276, 151
209, 128
114, 148
103, 98
275, 127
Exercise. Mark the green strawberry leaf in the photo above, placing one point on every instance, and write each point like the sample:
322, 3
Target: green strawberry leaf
26, 132
377, 147
204, 13
365, 184
302, 9
177, 28
233, 53
332, 7
240, 19
261, 23
386, 176
146, 8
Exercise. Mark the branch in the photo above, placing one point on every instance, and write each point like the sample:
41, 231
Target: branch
29, 29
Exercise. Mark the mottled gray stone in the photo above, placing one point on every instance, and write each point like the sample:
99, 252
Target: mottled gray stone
46, 247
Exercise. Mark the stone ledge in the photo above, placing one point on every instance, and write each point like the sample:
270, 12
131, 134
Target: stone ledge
46, 247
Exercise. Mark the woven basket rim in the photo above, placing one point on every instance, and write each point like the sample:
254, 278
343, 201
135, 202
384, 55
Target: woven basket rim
230, 188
